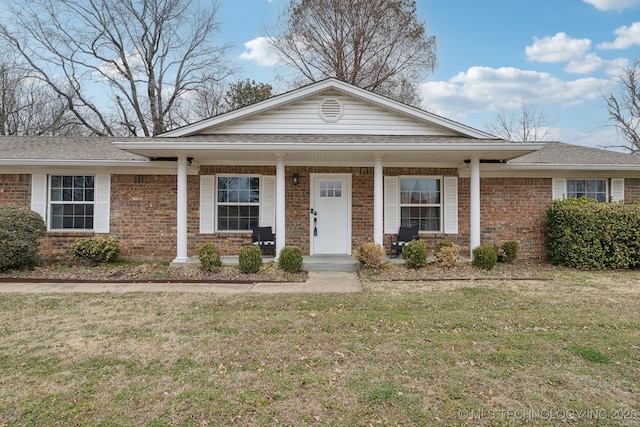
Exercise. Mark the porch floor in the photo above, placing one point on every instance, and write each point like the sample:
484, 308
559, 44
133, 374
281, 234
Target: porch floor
338, 263
312, 263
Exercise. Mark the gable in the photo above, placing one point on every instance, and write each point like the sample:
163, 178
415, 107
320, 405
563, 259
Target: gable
330, 113
348, 110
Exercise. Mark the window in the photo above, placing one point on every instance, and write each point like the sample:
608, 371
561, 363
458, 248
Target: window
238, 203
330, 189
421, 203
72, 202
589, 188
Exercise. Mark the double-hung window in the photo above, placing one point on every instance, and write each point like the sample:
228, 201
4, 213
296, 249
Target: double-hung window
600, 189
238, 203
421, 203
72, 200
590, 188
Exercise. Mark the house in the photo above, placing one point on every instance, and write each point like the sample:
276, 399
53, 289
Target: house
329, 166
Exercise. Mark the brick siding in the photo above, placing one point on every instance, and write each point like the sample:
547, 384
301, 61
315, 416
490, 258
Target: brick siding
143, 211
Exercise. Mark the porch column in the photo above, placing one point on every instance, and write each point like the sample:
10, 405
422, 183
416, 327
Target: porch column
378, 207
280, 206
181, 219
474, 230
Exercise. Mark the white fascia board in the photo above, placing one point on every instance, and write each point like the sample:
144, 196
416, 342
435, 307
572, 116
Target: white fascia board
184, 148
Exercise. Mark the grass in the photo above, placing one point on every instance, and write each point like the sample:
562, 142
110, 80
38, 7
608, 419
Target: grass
414, 353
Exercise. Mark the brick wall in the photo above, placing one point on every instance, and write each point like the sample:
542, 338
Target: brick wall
143, 211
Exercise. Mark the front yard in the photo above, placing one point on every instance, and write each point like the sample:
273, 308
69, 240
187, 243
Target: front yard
494, 351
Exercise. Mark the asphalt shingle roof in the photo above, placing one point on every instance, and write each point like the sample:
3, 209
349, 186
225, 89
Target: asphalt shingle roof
67, 148
559, 153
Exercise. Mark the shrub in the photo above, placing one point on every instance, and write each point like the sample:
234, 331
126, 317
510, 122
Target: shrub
590, 235
249, 259
440, 245
371, 255
485, 257
96, 249
210, 258
447, 256
290, 259
509, 252
415, 254
20, 231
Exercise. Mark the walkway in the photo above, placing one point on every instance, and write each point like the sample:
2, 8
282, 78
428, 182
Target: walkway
317, 282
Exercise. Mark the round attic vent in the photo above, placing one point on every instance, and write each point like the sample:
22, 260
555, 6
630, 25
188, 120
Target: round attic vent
330, 110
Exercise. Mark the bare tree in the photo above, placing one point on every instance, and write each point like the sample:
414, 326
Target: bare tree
378, 45
624, 107
120, 65
527, 123
29, 107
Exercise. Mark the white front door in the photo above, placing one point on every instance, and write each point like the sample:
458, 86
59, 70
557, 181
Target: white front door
330, 214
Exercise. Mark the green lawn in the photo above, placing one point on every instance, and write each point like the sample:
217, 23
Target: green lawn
565, 350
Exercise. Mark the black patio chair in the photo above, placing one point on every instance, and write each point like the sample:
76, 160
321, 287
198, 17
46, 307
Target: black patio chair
262, 237
405, 235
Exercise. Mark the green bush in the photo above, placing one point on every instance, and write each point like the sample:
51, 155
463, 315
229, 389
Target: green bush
509, 252
210, 258
485, 256
415, 254
590, 235
290, 259
96, 249
447, 255
371, 255
20, 231
249, 259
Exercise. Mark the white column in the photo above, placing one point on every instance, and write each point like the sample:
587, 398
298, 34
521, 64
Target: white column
378, 194
280, 207
181, 220
475, 205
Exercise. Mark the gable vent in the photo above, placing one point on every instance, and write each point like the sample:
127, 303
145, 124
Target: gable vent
330, 110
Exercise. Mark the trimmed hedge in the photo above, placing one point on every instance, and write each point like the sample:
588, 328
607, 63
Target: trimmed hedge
485, 256
415, 254
290, 259
20, 231
96, 249
590, 235
210, 258
249, 259
371, 255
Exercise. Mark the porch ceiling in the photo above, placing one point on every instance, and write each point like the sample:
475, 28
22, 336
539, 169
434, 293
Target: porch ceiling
332, 154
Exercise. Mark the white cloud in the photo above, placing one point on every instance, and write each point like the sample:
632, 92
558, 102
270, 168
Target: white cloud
260, 50
559, 48
483, 89
626, 37
612, 4
592, 62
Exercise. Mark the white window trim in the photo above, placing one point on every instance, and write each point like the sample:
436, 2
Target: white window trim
41, 201
216, 203
615, 187
439, 205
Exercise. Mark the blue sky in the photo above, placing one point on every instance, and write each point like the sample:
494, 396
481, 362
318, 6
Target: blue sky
492, 56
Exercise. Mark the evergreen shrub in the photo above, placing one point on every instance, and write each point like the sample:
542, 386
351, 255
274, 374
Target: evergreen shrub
290, 259
249, 259
210, 258
415, 254
20, 233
